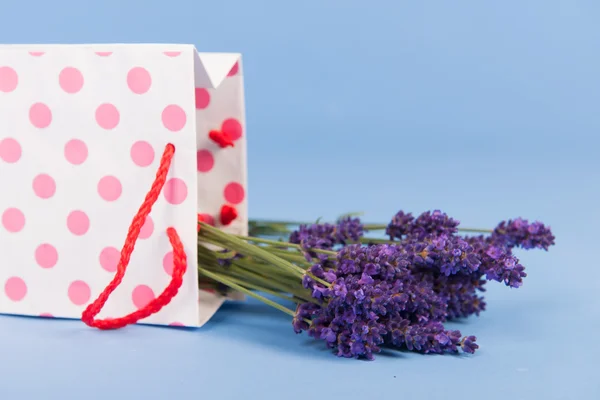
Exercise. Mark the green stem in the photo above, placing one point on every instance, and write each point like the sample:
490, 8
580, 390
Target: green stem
368, 227
476, 230
250, 250
263, 289
275, 222
233, 285
271, 271
374, 227
283, 244
291, 257
287, 287
227, 240
265, 274
376, 241
225, 256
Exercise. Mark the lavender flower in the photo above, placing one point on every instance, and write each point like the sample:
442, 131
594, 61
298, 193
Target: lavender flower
400, 225
458, 292
434, 223
304, 312
447, 254
520, 233
424, 303
468, 344
372, 294
327, 236
498, 263
430, 338
427, 224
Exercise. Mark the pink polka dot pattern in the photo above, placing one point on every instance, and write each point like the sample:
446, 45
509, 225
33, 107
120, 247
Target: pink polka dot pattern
142, 295
234, 70
15, 288
109, 188
13, 220
233, 128
207, 218
204, 160
78, 223
175, 191
79, 293
142, 153
109, 259
139, 80
173, 118
46, 255
76, 151
8, 79
70, 80
147, 228
107, 116
40, 115
70, 139
10, 150
202, 98
168, 263
234, 193
44, 186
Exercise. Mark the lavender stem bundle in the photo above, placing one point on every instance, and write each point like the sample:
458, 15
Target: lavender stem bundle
358, 294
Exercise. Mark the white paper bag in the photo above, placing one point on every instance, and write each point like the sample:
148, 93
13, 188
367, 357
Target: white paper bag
82, 132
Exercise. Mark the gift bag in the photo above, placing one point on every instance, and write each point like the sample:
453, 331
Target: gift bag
109, 154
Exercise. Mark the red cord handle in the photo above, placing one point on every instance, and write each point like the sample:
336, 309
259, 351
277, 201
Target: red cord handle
179, 259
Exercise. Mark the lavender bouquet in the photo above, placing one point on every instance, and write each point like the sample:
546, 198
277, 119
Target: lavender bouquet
358, 294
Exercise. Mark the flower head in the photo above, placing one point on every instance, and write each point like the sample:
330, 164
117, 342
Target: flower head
429, 223
434, 223
429, 338
327, 236
520, 233
468, 344
400, 225
444, 253
497, 262
372, 294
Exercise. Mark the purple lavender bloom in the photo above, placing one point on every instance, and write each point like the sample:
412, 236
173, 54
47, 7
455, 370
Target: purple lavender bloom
424, 304
520, 233
434, 223
427, 224
327, 236
468, 344
460, 294
429, 338
373, 292
349, 229
304, 311
447, 254
497, 262
400, 225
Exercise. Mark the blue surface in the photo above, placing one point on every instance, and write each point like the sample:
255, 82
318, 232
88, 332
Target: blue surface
487, 110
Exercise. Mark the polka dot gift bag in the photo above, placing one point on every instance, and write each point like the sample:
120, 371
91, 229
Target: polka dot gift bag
109, 154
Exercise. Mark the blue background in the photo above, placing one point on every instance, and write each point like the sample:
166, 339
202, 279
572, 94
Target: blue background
487, 110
